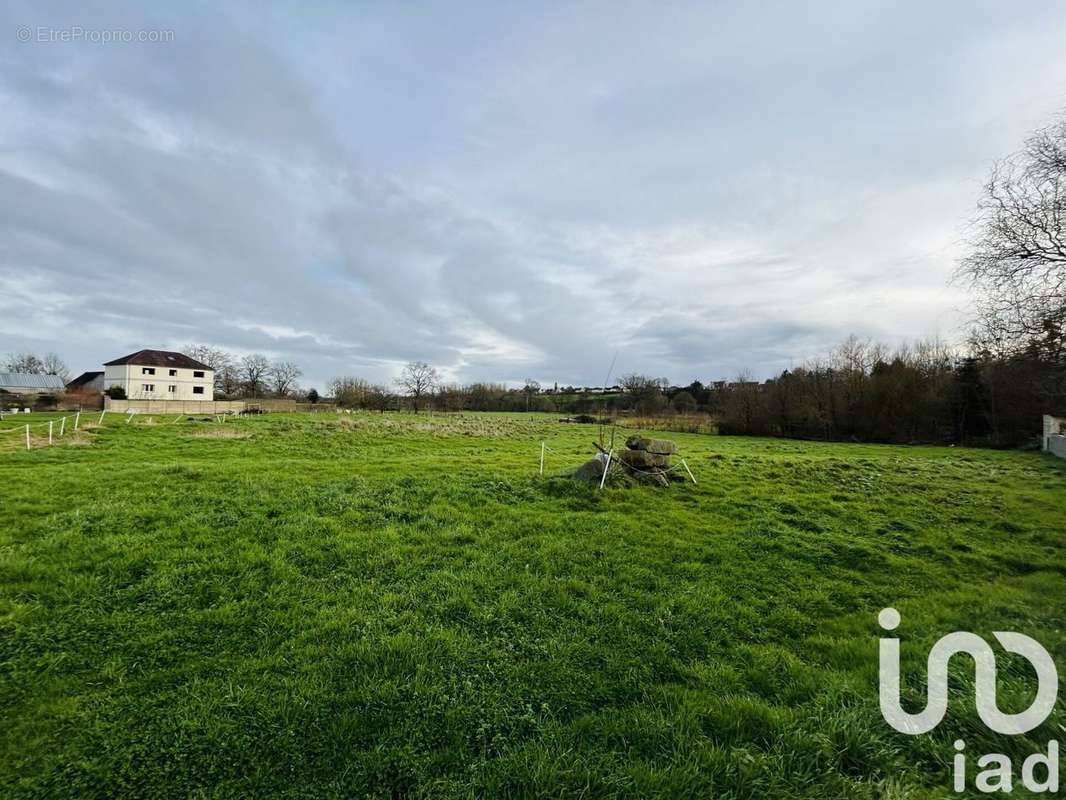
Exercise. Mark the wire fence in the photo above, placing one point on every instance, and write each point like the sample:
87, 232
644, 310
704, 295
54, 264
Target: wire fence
44, 433
15, 435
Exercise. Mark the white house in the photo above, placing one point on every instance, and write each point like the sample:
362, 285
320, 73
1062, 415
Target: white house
160, 375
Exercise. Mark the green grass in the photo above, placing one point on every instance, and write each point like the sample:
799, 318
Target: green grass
396, 606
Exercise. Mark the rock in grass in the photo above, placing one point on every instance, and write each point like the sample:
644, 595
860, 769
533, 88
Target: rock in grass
660, 446
591, 470
642, 459
654, 476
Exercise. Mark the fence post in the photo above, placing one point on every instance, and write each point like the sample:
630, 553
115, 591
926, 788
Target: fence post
77, 418
27, 437
49, 431
101, 422
685, 465
62, 426
542, 458
606, 467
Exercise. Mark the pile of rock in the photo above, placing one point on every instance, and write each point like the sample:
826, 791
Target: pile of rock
648, 458
644, 459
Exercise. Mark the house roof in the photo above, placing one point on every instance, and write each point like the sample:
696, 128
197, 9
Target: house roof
25, 380
86, 378
158, 358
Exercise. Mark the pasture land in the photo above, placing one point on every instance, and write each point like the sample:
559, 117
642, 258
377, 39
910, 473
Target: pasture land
396, 605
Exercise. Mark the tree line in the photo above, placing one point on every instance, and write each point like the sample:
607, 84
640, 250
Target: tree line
421, 387
994, 390
249, 376
927, 392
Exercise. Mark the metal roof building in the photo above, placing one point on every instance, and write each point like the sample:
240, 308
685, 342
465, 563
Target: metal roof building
26, 383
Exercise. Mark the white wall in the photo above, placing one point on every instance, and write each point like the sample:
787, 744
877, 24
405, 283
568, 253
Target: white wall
133, 379
1052, 427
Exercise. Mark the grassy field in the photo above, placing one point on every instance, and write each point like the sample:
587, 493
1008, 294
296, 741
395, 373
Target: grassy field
397, 606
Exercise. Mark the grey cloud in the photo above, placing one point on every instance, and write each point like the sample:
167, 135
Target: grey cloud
504, 193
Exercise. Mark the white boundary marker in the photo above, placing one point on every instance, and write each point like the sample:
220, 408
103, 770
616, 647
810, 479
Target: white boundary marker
542, 458
685, 464
606, 467
49, 424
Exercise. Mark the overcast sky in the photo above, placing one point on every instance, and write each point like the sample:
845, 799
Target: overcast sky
504, 190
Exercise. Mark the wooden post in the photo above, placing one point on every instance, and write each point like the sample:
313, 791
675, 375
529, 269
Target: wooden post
77, 419
62, 426
49, 431
542, 458
606, 467
101, 422
27, 437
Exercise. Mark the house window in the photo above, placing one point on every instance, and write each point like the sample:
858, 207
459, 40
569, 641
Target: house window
173, 372
198, 390
198, 373
172, 388
148, 370
148, 387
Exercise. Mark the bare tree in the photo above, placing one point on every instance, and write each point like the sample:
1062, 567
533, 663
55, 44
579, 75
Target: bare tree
646, 394
54, 365
228, 379
418, 379
283, 375
743, 402
350, 392
530, 389
254, 370
1017, 263
26, 363
683, 402
32, 364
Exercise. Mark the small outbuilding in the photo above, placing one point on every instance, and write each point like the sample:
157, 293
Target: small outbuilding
87, 383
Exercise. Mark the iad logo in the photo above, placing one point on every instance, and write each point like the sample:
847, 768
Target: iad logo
985, 678
1000, 776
